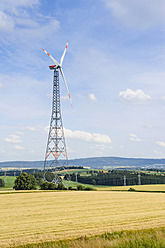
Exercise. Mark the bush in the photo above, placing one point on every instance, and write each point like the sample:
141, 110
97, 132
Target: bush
2, 183
48, 186
80, 187
25, 182
44, 185
89, 188
93, 182
61, 187
131, 189
51, 186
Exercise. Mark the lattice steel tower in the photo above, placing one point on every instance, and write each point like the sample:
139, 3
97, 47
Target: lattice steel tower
56, 154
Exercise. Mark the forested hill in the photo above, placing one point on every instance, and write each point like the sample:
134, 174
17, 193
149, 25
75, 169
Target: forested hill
96, 163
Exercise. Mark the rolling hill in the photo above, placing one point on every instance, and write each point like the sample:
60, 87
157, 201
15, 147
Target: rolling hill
96, 163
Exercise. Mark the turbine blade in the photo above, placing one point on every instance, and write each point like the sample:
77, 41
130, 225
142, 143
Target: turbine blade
55, 61
62, 57
66, 85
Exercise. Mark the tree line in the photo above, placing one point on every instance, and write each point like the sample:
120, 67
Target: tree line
28, 182
17, 172
118, 178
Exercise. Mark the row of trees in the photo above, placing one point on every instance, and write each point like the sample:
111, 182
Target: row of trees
27, 182
33, 181
17, 172
119, 178
112, 178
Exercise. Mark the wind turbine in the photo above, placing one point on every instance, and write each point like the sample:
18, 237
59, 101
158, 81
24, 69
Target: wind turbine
59, 66
56, 154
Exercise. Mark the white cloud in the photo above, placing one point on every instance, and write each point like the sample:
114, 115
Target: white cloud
16, 7
85, 136
27, 29
133, 137
134, 97
12, 138
12, 9
92, 97
140, 14
17, 147
30, 128
19, 133
69, 150
1, 85
6, 22
88, 137
160, 143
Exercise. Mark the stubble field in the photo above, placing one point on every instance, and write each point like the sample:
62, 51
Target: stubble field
38, 217
149, 187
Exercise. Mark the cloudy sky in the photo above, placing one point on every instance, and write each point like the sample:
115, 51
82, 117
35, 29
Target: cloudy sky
114, 67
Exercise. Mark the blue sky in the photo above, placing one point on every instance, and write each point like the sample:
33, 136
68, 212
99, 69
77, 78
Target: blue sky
114, 67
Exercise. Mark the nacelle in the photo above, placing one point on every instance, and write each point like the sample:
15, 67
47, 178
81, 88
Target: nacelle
52, 67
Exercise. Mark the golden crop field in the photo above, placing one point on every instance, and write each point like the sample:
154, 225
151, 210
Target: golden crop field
36, 217
149, 187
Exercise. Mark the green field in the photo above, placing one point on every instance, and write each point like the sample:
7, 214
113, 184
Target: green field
52, 216
152, 187
9, 182
81, 171
74, 184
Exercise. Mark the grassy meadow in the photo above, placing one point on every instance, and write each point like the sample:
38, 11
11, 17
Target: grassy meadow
52, 216
151, 187
9, 182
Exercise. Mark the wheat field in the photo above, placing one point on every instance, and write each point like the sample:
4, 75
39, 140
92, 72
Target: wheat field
38, 217
149, 187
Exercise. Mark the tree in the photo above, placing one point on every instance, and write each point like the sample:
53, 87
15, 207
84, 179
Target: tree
2, 183
80, 187
61, 187
47, 185
93, 182
51, 186
25, 182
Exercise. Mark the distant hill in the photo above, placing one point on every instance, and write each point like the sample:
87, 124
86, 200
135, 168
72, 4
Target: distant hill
96, 163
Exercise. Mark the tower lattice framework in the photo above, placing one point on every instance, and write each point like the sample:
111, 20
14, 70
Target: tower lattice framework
56, 155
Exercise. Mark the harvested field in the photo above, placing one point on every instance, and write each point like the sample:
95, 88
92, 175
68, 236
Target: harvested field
46, 216
149, 187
